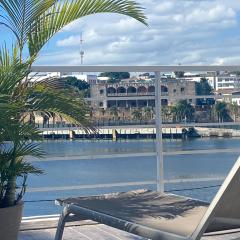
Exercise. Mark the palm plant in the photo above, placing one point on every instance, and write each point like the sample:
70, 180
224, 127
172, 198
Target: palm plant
183, 111
114, 111
234, 110
137, 114
148, 113
34, 23
221, 111
13, 166
166, 112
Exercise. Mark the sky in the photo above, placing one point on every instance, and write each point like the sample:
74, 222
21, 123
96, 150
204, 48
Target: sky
196, 32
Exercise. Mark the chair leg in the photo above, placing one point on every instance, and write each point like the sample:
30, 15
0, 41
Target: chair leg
61, 223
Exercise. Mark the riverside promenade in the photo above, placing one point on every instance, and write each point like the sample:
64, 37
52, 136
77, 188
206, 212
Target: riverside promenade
113, 132
138, 131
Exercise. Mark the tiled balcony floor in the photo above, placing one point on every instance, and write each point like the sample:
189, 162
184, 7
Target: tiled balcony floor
86, 230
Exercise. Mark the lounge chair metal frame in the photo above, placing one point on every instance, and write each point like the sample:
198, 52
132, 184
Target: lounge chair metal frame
219, 211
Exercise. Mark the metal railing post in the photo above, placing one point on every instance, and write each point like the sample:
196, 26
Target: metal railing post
159, 144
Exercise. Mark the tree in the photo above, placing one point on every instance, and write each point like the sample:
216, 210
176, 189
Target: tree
166, 112
114, 111
115, 77
79, 84
234, 110
137, 114
183, 111
204, 88
34, 23
148, 113
179, 74
221, 111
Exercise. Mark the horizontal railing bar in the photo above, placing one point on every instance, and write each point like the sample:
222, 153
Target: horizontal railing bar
164, 97
89, 186
132, 126
121, 184
163, 68
147, 154
193, 124
202, 151
201, 96
94, 157
130, 98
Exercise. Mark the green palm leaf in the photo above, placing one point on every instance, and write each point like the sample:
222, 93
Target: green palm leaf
36, 21
61, 15
19, 15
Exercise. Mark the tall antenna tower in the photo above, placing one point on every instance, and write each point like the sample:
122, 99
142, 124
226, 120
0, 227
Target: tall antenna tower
81, 48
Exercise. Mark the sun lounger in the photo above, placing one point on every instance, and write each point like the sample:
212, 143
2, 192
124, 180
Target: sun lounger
159, 216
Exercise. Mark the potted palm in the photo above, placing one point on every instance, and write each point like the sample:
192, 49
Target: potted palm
14, 169
33, 23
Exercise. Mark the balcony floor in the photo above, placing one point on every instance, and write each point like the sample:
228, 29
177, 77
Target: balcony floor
44, 229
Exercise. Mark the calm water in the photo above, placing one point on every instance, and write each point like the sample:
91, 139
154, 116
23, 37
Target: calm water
67, 173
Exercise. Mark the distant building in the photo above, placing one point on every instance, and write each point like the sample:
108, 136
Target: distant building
236, 97
137, 95
210, 76
227, 82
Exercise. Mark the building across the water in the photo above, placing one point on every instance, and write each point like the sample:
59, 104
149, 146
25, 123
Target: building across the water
139, 94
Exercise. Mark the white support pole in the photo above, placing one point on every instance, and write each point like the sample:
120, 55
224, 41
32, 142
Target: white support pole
159, 144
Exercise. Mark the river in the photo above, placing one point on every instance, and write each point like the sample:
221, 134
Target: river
65, 174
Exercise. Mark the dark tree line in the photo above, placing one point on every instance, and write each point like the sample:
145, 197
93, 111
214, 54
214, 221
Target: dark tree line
115, 77
80, 85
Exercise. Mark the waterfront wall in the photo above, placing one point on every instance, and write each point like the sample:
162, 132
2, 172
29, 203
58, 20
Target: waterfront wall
217, 132
114, 133
132, 132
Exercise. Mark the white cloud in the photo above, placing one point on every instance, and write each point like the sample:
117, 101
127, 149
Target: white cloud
187, 32
164, 7
217, 14
74, 40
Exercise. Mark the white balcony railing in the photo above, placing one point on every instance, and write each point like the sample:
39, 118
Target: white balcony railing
158, 153
132, 94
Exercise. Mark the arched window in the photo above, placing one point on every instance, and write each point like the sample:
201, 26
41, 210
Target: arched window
164, 89
121, 90
142, 89
111, 90
151, 89
131, 90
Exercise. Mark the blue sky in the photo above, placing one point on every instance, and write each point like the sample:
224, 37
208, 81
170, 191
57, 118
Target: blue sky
180, 31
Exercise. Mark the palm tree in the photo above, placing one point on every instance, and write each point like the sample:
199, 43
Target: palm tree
114, 112
183, 111
148, 113
221, 111
166, 112
137, 114
34, 23
234, 110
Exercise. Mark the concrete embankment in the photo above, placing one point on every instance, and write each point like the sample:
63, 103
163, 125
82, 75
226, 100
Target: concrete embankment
115, 133
139, 132
217, 132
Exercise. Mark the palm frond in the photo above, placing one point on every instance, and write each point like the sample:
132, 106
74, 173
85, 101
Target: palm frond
19, 15
63, 13
32, 149
72, 108
12, 71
